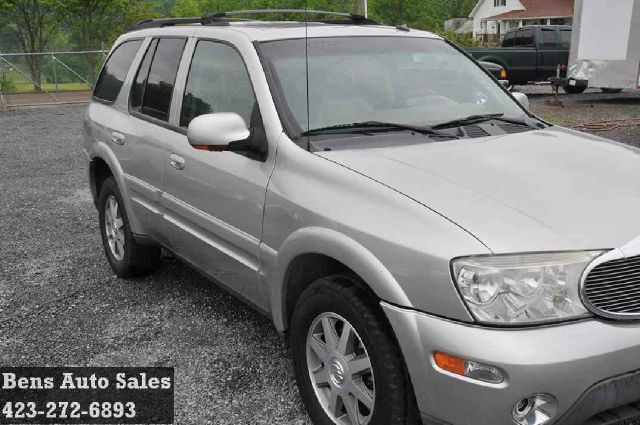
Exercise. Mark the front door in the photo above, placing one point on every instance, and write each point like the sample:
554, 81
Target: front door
214, 200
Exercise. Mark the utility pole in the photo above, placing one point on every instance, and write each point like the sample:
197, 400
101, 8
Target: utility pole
363, 8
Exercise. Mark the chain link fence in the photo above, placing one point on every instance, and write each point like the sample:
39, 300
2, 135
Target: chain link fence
52, 77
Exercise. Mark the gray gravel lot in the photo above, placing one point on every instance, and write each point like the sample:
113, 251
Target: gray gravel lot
60, 305
591, 106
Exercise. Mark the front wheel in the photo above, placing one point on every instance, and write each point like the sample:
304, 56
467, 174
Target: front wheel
126, 257
348, 365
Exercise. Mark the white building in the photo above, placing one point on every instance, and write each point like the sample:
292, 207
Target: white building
492, 18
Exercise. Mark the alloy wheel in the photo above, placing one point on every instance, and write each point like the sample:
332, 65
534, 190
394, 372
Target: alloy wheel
114, 227
340, 370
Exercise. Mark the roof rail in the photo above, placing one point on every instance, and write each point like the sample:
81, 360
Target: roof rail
223, 18
167, 22
351, 18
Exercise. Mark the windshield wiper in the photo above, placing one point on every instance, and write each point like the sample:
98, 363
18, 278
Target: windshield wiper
477, 119
372, 126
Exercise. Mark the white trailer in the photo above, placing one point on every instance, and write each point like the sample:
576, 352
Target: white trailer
605, 48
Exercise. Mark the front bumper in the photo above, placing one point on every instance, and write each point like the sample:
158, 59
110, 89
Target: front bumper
569, 361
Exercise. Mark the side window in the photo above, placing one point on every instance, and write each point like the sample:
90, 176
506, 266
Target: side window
153, 87
549, 38
518, 40
509, 39
137, 89
565, 39
525, 38
115, 71
218, 82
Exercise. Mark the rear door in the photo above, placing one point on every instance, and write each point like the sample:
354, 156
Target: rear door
107, 117
149, 135
564, 45
214, 200
550, 55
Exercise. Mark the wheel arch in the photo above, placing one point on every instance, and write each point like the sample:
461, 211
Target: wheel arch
495, 59
103, 164
99, 171
311, 253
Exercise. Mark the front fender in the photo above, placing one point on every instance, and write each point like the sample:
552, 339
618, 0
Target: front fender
330, 243
495, 59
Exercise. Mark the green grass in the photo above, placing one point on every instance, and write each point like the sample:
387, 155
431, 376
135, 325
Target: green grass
28, 88
23, 85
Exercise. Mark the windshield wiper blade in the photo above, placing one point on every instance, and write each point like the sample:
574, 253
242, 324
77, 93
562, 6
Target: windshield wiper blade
477, 119
471, 119
369, 126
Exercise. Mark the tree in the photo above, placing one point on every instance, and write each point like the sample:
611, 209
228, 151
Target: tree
200, 7
34, 23
92, 24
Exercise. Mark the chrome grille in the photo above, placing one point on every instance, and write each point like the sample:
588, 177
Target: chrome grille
612, 289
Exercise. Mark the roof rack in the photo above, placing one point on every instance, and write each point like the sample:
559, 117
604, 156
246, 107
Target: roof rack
223, 18
166, 22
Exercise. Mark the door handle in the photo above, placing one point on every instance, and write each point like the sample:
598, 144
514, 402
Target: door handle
176, 161
117, 138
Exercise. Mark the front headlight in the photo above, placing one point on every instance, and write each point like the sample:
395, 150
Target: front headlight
523, 288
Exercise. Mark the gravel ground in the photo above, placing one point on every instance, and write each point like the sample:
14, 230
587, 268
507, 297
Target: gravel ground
60, 305
591, 106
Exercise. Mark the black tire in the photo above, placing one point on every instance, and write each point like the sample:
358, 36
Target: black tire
344, 295
574, 89
137, 260
610, 91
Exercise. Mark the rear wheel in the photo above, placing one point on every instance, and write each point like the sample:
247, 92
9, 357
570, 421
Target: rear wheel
612, 91
126, 257
574, 89
348, 365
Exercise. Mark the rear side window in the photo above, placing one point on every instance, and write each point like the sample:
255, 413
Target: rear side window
565, 39
549, 38
509, 39
218, 82
153, 87
115, 71
137, 89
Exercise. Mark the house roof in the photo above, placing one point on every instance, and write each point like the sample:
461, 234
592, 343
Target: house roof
538, 9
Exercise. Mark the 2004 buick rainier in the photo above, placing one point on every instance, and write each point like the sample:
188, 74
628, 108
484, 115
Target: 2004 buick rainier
432, 251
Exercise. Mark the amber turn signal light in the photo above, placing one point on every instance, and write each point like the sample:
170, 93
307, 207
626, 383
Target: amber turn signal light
449, 363
468, 368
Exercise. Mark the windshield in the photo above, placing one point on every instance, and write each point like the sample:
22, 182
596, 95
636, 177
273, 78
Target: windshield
402, 80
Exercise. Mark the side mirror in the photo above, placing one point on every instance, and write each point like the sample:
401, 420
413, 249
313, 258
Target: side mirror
522, 99
222, 131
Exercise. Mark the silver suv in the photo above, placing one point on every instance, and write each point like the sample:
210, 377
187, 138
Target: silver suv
432, 251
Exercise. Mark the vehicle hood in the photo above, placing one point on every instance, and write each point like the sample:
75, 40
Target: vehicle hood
551, 189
